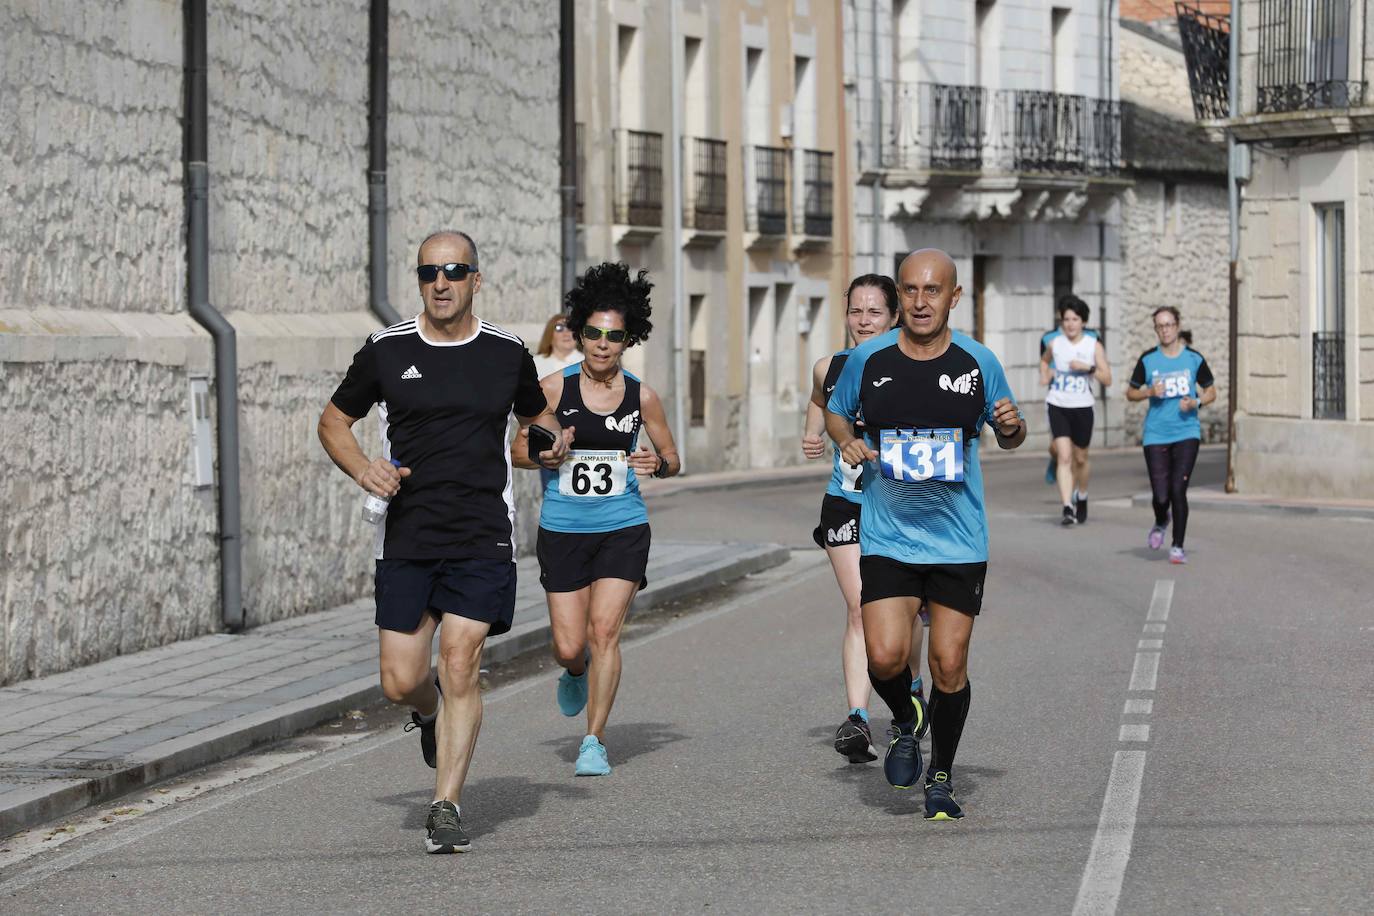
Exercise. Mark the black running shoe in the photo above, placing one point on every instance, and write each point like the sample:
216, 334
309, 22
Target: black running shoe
902, 766
854, 740
1081, 509
1068, 518
445, 829
428, 745
940, 803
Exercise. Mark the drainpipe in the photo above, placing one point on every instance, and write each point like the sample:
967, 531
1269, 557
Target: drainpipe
680, 306
221, 331
567, 115
875, 199
377, 57
1233, 212
1104, 77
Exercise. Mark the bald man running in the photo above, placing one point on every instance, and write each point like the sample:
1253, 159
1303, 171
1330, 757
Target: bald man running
925, 392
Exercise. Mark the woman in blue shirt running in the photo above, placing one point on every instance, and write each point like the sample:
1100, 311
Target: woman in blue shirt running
1177, 381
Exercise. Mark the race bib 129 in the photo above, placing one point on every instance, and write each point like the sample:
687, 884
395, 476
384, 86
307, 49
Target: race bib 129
587, 473
1069, 382
922, 454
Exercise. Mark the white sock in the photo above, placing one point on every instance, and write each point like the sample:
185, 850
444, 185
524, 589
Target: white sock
434, 715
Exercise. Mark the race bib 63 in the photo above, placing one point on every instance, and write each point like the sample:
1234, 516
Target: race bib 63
922, 454
587, 473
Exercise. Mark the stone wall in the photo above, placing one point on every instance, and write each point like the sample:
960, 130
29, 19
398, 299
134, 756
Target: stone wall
1179, 259
107, 545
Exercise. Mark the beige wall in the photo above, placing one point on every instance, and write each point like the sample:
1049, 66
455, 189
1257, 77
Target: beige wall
108, 547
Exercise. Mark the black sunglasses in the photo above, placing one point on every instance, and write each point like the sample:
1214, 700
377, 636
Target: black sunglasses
616, 336
428, 273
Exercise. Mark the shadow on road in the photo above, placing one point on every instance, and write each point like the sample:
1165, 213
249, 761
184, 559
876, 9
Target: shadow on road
623, 742
873, 790
487, 803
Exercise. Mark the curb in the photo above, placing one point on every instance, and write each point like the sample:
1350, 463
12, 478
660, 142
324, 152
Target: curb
1258, 505
48, 801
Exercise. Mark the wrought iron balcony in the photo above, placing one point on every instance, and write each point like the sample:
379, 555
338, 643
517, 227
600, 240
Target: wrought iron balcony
765, 190
1206, 39
1304, 56
1052, 132
815, 215
703, 173
1328, 375
638, 178
943, 127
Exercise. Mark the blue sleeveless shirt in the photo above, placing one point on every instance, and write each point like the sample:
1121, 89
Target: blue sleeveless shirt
595, 490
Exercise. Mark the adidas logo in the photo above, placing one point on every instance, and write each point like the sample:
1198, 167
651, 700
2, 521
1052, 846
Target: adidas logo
412, 372
625, 424
964, 384
843, 534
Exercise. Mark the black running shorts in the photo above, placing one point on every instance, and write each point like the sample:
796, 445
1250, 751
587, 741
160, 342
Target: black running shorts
839, 525
1073, 423
570, 561
955, 585
478, 588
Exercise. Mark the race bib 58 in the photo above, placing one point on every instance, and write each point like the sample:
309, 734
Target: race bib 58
922, 454
1177, 384
587, 473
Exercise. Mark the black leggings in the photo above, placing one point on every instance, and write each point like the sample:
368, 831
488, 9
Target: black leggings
1170, 466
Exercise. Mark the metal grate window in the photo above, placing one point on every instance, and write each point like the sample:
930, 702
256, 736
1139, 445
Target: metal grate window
768, 194
703, 204
1328, 338
818, 191
1206, 39
1304, 56
639, 178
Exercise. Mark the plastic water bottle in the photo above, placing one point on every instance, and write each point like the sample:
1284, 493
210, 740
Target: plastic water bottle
374, 507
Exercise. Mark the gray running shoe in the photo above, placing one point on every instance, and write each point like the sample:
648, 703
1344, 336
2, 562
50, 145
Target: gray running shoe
445, 829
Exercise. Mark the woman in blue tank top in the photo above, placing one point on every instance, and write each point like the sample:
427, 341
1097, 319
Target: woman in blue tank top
593, 543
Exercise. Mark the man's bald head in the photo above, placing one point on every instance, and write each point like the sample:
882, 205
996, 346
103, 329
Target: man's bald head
932, 258
451, 235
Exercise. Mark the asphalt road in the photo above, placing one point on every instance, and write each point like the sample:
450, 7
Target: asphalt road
1240, 779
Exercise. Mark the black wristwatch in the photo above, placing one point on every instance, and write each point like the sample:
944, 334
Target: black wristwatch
662, 470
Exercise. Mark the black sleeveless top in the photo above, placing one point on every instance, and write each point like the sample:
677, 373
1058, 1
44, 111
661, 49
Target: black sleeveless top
618, 430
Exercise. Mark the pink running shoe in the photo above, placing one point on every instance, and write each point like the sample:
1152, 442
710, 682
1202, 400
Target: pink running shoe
1156, 537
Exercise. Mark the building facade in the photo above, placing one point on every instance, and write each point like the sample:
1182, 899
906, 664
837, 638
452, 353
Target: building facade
1304, 419
992, 129
110, 538
710, 145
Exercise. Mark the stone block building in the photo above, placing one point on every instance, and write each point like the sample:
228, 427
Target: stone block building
109, 543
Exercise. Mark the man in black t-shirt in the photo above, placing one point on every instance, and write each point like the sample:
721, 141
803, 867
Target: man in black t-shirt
446, 383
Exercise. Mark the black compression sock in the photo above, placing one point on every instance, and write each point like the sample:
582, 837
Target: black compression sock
896, 693
1161, 514
947, 714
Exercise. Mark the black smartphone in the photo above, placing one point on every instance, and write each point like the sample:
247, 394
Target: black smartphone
541, 440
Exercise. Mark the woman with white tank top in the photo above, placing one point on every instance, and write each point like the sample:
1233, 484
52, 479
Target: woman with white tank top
1070, 363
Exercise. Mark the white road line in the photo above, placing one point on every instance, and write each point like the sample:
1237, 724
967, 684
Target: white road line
1101, 886
1150, 644
161, 821
1134, 732
1138, 708
1145, 671
1162, 598
1154, 628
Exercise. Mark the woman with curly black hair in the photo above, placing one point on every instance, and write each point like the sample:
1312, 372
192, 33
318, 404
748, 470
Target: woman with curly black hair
593, 541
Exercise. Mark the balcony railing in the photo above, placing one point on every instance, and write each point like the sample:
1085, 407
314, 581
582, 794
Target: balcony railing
1304, 56
1053, 132
638, 178
703, 172
1328, 375
1206, 39
765, 190
941, 127
815, 216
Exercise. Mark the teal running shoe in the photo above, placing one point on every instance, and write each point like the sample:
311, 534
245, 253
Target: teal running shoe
1052, 471
591, 758
572, 693
940, 803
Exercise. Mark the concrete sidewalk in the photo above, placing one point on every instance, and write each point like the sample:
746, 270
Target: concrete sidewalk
86, 735
1216, 498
